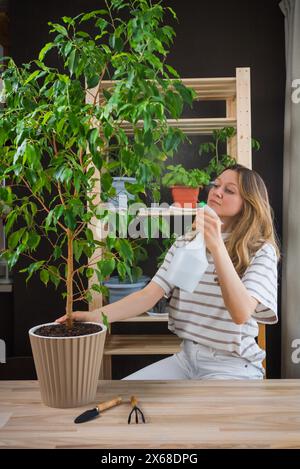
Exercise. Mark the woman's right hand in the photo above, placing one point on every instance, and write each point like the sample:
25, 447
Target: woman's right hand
90, 316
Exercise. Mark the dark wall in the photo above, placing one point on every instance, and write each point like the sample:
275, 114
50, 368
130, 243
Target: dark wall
213, 38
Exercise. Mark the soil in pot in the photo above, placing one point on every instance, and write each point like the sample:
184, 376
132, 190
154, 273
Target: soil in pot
61, 330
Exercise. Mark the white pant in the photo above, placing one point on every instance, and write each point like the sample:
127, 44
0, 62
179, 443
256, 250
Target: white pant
196, 361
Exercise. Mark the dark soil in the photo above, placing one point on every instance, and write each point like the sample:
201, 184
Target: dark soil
60, 330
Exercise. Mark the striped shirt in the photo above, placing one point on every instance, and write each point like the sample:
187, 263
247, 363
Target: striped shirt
202, 316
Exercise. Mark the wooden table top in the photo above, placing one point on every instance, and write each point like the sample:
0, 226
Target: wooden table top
179, 414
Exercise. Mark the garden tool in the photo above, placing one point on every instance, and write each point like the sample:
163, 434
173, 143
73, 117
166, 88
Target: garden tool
136, 410
92, 413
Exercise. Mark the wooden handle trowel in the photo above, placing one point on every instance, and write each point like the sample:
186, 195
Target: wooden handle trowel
92, 413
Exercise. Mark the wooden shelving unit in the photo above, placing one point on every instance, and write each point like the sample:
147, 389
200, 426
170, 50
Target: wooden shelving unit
235, 91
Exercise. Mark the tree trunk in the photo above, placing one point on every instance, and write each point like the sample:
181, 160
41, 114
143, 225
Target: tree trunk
70, 269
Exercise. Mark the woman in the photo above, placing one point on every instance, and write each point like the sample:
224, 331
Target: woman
218, 321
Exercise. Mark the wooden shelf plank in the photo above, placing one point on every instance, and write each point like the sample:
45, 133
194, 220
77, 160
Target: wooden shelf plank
152, 211
196, 126
142, 344
166, 211
6, 287
147, 318
217, 88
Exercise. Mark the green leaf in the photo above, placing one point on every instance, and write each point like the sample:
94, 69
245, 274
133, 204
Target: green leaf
101, 23
54, 275
57, 252
106, 267
33, 240
108, 130
135, 188
172, 140
70, 219
57, 213
96, 288
68, 20
33, 268
92, 80
137, 272
83, 34
78, 248
33, 209
173, 12
89, 272
97, 160
174, 103
88, 296
44, 276
93, 136
172, 71
10, 221
3, 136
92, 14
106, 182
125, 250
12, 258
73, 61
255, 144
89, 235
63, 174
121, 267
31, 155
59, 28
105, 320
45, 49
185, 92
164, 227
32, 76
48, 220
15, 237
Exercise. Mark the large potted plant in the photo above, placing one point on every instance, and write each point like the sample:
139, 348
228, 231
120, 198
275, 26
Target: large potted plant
185, 184
55, 154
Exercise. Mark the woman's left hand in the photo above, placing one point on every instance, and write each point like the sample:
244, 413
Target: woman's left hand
210, 226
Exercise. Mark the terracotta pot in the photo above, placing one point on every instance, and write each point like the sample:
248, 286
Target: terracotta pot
185, 196
68, 367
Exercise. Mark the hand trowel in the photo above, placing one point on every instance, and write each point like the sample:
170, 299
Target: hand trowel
92, 413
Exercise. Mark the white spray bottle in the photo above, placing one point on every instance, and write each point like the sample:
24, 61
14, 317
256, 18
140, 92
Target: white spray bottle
189, 262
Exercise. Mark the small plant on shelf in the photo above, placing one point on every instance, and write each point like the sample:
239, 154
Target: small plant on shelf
220, 161
185, 184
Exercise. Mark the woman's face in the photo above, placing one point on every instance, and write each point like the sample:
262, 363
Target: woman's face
224, 196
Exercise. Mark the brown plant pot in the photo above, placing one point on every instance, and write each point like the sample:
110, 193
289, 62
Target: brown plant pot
185, 196
68, 367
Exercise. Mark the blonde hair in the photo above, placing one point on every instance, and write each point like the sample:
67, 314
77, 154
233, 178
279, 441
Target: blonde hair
254, 226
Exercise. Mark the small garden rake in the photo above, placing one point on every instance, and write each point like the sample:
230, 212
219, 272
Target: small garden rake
136, 410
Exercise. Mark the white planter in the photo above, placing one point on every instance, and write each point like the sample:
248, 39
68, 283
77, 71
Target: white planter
68, 367
122, 196
118, 290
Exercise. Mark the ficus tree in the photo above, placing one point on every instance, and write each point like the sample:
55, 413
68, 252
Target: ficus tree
57, 148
